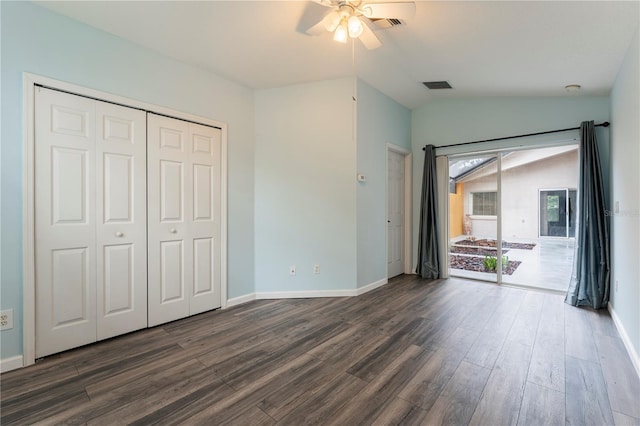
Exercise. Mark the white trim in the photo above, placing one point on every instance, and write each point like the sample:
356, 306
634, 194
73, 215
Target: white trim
240, 300
224, 189
398, 149
635, 359
408, 197
304, 294
408, 211
28, 223
28, 204
13, 363
372, 286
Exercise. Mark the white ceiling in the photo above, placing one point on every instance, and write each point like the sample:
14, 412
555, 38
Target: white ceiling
483, 48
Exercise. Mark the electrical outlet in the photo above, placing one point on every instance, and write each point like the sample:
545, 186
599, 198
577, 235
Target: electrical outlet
6, 319
616, 286
316, 268
292, 270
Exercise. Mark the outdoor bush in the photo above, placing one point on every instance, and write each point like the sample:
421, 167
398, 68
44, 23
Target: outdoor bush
491, 262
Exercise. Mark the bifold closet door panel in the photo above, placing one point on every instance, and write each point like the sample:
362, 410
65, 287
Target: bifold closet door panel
169, 248
184, 218
64, 221
206, 190
121, 208
90, 236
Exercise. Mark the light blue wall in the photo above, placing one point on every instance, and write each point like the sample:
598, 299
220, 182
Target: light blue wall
305, 202
625, 188
380, 120
444, 122
38, 41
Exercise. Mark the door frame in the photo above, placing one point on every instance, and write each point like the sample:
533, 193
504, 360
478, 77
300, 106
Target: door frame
408, 174
29, 82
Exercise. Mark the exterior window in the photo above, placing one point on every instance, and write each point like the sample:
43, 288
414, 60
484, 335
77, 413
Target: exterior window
484, 203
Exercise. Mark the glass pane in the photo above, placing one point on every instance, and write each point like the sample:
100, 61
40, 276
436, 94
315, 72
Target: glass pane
573, 203
537, 215
553, 213
472, 218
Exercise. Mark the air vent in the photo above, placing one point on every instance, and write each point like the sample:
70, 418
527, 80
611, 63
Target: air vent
434, 85
387, 22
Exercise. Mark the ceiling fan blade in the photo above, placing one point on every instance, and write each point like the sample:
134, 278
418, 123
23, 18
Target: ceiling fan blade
398, 10
316, 29
368, 37
326, 3
329, 23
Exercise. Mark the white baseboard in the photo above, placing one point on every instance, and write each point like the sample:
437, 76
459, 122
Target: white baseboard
240, 300
367, 288
304, 294
633, 354
8, 364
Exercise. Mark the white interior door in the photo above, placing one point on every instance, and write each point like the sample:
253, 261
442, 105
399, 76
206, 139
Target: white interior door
90, 198
65, 221
184, 218
395, 213
121, 219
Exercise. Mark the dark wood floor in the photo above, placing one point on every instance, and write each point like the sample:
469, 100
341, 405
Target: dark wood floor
412, 352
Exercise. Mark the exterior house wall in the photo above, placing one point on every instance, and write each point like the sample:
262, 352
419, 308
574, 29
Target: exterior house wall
520, 194
456, 211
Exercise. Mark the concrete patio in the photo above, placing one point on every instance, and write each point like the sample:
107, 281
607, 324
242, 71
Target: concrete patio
547, 266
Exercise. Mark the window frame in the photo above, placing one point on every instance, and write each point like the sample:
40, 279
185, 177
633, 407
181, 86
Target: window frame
473, 204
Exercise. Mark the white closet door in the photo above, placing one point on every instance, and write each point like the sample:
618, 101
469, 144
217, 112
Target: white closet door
121, 219
183, 217
90, 198
65, 221
205, 230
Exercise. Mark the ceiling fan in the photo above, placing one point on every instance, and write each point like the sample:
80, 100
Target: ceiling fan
353, 18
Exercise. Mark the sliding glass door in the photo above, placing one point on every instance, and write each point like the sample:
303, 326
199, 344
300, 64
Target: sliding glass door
473, 217
512, 216
557, 213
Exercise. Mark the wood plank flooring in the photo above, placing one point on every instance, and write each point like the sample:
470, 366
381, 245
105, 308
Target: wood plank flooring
412, 352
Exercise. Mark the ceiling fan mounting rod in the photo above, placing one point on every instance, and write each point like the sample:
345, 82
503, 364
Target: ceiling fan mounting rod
348, 8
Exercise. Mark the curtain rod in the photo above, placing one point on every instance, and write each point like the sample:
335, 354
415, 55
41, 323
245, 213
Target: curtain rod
605, 124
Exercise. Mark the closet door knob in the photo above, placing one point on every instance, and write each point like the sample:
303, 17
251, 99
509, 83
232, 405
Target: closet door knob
173, 230
119, 234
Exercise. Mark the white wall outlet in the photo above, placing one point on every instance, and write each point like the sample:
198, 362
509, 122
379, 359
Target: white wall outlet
616, 286
316, 268
292, 270
6, 319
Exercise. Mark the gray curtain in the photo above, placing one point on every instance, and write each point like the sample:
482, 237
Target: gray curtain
590, 278
428, 256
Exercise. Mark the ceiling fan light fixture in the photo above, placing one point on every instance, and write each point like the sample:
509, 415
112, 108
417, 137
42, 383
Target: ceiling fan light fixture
342, 32
354, 25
